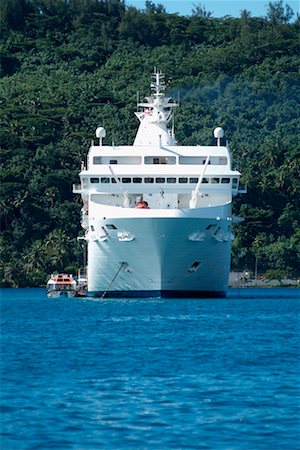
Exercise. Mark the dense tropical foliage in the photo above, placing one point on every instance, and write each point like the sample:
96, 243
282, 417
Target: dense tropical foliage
69, 66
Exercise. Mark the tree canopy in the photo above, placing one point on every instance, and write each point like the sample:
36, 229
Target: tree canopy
69, 66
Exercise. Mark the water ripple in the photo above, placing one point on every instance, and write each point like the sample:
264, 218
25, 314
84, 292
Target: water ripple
128, 374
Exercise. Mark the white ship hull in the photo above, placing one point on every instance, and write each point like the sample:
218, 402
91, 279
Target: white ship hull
174, 256
157, 215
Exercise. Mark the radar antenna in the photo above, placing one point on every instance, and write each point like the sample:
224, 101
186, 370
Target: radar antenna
158, 85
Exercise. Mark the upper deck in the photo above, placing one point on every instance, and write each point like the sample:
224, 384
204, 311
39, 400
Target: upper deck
155, 167
149, 165
166, 159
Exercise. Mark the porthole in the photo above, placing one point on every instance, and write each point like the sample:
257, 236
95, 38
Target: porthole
195, 266
111, 226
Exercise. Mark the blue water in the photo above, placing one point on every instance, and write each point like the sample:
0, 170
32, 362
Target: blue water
150, 374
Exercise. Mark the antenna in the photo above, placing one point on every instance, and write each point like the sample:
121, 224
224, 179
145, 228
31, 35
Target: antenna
173, 125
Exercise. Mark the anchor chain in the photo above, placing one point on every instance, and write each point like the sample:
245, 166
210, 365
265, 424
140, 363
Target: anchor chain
109, 286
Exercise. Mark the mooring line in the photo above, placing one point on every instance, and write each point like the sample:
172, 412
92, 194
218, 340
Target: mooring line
118, 271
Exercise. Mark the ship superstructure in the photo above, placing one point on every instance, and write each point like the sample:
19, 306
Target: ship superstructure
157, 215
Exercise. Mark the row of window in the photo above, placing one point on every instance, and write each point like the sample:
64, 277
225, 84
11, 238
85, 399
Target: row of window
162, 180
198, 160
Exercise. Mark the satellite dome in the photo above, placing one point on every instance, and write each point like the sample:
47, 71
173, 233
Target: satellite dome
218, 133
100, 132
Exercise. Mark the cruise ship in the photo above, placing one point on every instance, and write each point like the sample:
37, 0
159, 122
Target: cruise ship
158, 215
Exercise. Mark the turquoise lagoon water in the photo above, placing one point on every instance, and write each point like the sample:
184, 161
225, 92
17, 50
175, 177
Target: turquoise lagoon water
150, 374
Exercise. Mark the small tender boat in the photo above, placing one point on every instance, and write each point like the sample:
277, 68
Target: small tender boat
61, 285
81, 285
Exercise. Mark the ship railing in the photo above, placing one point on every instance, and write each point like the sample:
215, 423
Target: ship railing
242, 189
85, 222
77, 188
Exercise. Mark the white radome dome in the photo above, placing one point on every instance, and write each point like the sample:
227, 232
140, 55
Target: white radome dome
100, 132
218, 133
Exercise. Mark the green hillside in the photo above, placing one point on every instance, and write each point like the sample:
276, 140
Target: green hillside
69, 66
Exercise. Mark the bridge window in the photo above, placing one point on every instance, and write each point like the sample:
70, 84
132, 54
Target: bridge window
160, 160
160, 180
183, 180
215, 180
130, 159
205, 180
200, 160
94, 180
194, 180
126, 180
149, 180
137, 180
105, 180
225, 180
190, 159
171, 180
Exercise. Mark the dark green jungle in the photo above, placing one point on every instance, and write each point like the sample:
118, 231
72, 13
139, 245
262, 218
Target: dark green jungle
69, 66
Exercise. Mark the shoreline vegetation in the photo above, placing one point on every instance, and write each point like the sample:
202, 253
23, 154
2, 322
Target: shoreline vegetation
237, 280
69, 67
233, 284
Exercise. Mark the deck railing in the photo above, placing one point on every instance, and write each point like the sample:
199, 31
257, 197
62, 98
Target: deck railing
76, 188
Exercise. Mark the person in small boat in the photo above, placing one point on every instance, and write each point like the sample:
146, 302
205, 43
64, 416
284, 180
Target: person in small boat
141, 204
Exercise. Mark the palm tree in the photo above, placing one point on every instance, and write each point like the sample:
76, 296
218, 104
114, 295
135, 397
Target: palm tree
59, 245
256, 246
200, 11
34, 257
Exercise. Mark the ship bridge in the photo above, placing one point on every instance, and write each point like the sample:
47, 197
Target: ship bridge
155, 171
164, 176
